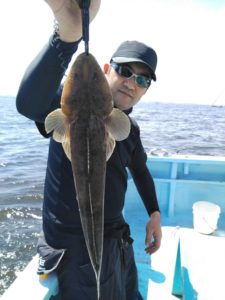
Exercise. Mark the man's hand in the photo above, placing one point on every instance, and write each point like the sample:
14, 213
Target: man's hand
68, 16
153, 233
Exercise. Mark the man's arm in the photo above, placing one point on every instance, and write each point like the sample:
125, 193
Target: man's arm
146, 188
35, 97
37, 91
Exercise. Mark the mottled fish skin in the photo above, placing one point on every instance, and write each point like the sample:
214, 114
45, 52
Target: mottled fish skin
90, 102
86, 91
87, 100
87, 125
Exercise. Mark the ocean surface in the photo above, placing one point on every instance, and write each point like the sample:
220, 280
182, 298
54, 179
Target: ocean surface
171, 128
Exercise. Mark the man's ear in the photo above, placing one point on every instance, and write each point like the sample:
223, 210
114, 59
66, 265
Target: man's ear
106, 68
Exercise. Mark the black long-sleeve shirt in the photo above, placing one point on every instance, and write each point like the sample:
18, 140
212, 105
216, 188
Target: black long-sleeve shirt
39, 94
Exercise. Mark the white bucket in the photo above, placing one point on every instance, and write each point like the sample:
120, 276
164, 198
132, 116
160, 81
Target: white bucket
205, 216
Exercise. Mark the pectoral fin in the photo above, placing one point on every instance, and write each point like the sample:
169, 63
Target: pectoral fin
67, 149
56, 121
118, 124
110, 145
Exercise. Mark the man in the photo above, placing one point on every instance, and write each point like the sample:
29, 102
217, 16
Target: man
62, 247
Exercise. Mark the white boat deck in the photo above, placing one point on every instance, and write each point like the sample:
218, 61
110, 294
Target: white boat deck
28, 285
189, 265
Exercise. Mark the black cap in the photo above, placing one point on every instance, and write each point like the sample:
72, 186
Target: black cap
133, 51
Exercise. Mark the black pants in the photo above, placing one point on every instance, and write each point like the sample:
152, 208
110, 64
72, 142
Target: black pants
118, 275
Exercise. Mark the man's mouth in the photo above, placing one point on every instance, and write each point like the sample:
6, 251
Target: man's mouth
126, 93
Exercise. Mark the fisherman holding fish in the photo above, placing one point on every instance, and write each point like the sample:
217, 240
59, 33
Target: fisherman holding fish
92, 142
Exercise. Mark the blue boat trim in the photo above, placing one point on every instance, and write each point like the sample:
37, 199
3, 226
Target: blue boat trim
178, 280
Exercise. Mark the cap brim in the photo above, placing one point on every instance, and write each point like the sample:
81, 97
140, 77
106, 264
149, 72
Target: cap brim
122, 60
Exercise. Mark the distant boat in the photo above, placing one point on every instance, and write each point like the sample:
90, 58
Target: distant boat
189, 264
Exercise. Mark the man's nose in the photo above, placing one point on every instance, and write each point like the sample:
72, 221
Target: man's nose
130, 82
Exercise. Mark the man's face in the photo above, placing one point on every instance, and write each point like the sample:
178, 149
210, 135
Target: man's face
126, 93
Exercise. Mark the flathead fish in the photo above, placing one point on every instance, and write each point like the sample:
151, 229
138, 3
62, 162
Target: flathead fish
87, 125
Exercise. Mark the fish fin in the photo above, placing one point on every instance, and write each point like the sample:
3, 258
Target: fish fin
67, 149
110, 145
57, 122
118, 124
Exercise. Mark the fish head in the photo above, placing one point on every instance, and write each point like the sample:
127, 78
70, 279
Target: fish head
86, 89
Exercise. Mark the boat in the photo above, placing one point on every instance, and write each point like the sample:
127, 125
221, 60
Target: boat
190, 263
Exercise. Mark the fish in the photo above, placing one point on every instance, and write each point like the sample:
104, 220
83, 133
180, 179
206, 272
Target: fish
88, 126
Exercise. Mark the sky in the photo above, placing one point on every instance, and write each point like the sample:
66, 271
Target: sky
188, 36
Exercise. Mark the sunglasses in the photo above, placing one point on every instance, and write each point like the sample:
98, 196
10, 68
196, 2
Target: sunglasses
126, 72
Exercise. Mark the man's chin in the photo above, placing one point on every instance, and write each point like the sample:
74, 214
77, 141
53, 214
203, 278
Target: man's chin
121, 106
